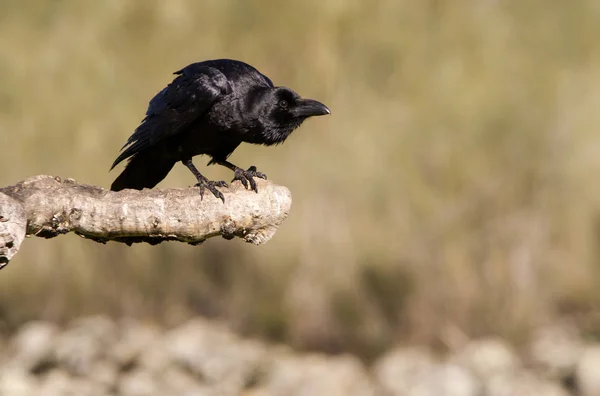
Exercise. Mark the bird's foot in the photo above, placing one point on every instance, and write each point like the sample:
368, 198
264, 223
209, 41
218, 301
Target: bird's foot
246, 177
211, 186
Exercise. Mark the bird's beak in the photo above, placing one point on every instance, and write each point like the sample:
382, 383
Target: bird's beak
310, 108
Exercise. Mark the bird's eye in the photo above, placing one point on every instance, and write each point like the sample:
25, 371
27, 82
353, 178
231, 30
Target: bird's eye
283, 104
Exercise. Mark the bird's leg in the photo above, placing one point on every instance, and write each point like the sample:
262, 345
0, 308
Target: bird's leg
246, 177
204, 183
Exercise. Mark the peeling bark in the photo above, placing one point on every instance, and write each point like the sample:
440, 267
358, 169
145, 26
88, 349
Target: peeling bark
47, 206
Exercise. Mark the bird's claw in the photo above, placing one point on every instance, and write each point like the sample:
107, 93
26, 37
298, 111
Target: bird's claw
252, 170
246, 177
212, 187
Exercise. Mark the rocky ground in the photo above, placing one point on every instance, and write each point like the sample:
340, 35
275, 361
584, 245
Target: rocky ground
97, 356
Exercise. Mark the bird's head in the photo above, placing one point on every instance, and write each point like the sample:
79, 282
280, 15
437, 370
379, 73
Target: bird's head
283, 110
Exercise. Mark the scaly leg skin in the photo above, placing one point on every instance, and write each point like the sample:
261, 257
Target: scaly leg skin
204, 183
246, 177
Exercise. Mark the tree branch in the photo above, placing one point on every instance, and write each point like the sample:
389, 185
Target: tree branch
47, 206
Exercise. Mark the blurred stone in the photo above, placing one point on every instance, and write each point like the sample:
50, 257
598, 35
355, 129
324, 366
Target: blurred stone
81, 386
55, 383
415, 372
17, 382
214, 354
488, 357
134, 339
93, 357
399, 370
448, 380
178, 381
104, 373
202, 390
556, 349
155, 358
522, 384
84, 342
139, 383
58, 382
309, 375
32, 346
587, 375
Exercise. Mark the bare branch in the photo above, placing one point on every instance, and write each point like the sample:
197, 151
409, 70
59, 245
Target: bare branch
47, 206
13, 223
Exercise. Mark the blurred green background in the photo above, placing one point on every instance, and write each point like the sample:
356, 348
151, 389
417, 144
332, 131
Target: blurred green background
453, 190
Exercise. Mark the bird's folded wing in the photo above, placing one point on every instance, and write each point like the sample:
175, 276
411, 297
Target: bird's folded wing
182, 102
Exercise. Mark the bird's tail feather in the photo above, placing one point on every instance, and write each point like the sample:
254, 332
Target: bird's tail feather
144, 170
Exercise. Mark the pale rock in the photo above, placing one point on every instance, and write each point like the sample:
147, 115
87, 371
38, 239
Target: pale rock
59, 383
31, 347
448, 380
139, 383
81, 386
178, 380
104, 373
154, 358
214, 354
315, 375
399, 370
134, 339
556, 349
522, 384
587, 374
55, 382
488, 357
84, 342
17, 382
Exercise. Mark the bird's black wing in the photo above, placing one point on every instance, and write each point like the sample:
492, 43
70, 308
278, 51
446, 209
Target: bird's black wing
182, 102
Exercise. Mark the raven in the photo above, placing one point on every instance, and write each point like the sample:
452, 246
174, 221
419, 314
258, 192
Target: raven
210, 108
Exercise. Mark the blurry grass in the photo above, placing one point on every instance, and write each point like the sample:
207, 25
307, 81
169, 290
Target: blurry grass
454, 185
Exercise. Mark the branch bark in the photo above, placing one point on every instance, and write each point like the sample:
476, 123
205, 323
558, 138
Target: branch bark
47, 206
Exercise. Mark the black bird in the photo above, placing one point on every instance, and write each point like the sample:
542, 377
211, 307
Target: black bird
210, 108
